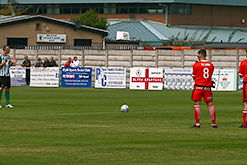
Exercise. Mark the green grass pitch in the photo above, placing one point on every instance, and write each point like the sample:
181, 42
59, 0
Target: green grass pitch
72, 126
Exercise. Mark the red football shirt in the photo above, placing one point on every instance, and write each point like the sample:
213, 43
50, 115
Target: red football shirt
202, 73
67, 64
243, 70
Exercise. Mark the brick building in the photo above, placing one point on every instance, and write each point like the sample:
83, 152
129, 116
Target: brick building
21, 31
230, 13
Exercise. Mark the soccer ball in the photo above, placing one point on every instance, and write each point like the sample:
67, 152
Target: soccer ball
124, 108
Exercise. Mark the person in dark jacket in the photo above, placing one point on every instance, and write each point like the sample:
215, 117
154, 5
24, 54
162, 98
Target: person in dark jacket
46, 62
39, 63
53, 62
27, 63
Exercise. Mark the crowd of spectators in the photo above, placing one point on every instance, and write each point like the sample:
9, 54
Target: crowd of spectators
47, 62
50, 62
27, 63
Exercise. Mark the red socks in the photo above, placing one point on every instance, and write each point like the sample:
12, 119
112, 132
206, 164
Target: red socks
197, 114
244, 117
212, 114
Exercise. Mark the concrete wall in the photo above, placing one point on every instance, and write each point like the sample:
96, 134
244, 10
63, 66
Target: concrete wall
135, 58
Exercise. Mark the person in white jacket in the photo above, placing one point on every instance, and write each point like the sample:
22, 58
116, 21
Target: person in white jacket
75, 62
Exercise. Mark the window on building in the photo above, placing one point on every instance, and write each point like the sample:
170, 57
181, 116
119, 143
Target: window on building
160, 11
52, 9
66, 9
75, 9
41, 9
152, 11
82, 42
122, 11
83, 10
111, 8
181, 9
100, 10
133, 10
17, 42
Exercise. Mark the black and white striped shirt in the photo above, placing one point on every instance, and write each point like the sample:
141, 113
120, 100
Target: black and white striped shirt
4, 70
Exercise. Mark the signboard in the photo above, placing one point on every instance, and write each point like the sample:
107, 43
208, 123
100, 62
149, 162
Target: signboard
51, 38
225, 79
44, 77
110, 78
181, 79
76, 77
178, 79
146, 78
18, 76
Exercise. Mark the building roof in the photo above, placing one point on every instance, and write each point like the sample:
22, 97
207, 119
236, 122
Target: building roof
149, 31
6, 20
205, 2
136, 29
222, 46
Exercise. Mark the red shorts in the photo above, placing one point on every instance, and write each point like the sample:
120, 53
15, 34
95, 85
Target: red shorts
199, 92
244, 92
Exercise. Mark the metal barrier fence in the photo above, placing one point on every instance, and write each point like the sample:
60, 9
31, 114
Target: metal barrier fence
71, 47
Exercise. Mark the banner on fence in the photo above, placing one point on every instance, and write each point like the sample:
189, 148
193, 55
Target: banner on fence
178, 79
44, 77
181, 79
76, 77
17, 76
225, 79
110, 78
146, 78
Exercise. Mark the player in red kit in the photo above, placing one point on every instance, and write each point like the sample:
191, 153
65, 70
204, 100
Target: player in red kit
202, 74
243, 74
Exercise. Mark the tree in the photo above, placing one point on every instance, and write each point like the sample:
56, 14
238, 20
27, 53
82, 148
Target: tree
91, 18
10, 10
7, 11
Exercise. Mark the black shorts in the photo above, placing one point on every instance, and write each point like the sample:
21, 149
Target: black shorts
5, 82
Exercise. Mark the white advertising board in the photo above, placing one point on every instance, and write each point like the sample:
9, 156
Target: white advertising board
181, 79
225, 79
51, 38
178, 79
18, 76
44, 77
110, 78
146, 78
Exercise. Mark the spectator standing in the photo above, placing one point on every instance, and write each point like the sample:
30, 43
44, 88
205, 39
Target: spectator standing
27, 63
53, 62
75, 62
46, 62
68, 63
39, 63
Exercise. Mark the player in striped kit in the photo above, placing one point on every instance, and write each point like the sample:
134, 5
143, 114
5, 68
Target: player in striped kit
5, 63
202, 74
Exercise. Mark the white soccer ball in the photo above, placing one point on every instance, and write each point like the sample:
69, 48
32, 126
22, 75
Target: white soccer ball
124, 108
